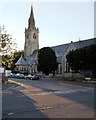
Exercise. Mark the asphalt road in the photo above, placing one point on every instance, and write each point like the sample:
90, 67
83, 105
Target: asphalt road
48, 99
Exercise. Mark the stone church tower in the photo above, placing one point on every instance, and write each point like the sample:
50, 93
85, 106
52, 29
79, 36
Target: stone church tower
31, 37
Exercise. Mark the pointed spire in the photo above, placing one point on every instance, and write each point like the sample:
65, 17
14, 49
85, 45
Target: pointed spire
31, 14
31, 19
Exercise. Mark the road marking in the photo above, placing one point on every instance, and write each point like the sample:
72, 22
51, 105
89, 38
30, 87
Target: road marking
76, 86
11, 113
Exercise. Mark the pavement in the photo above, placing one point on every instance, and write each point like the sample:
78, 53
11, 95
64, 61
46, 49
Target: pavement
9, 85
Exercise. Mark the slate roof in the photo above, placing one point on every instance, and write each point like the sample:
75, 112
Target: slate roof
60, 48
84, 43
78, 44
31, 61
34, 53
21, 61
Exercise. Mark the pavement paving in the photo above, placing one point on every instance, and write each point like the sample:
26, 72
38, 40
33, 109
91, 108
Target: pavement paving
48, 99
9, 85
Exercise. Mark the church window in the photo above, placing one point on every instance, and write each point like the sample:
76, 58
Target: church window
34, 36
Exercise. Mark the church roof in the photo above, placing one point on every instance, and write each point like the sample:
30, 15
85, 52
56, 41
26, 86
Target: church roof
78, 44
31, 61
60, 48
34, 53
84, 43
21, 61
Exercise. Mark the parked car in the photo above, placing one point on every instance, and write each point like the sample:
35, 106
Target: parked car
22, 76
18, 75
36, 77
31, 77
12, 75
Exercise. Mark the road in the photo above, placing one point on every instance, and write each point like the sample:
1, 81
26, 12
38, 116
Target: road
48, 99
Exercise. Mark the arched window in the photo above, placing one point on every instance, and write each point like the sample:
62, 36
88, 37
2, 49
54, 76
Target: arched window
34, 36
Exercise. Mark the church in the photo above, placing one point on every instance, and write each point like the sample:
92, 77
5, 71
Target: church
29, 62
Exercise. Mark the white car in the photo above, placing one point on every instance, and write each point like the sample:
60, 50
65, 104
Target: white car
31, 77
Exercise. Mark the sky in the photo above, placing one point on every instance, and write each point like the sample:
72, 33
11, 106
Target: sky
58, 22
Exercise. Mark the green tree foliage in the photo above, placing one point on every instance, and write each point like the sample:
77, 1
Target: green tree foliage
46, 60
9, 60
8, 50
83, 58
7, 44
17, 55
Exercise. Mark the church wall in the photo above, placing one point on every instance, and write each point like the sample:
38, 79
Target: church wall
64, 60
31, 43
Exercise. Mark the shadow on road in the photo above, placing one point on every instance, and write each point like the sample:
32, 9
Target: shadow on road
17, 105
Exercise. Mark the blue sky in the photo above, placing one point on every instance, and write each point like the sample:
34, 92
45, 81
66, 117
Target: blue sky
58, 22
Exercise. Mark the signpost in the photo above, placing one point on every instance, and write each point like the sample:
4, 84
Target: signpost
1, 70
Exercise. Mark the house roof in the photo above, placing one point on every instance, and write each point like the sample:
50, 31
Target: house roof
21, 61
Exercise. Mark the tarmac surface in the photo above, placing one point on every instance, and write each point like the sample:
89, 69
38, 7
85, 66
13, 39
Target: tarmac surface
47, 99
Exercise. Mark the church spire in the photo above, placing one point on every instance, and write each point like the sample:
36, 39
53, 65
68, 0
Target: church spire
31, 19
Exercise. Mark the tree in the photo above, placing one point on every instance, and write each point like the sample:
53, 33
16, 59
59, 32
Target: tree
9, 60
91, 58
83, 59
17, 55
46, 60
7, 45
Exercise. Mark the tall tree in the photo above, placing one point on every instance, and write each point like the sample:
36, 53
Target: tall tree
46, 60
7, 44
83, 59
9, 60
7, 47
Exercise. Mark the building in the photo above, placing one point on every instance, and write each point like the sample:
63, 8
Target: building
29, 62
62, 50
31, 37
